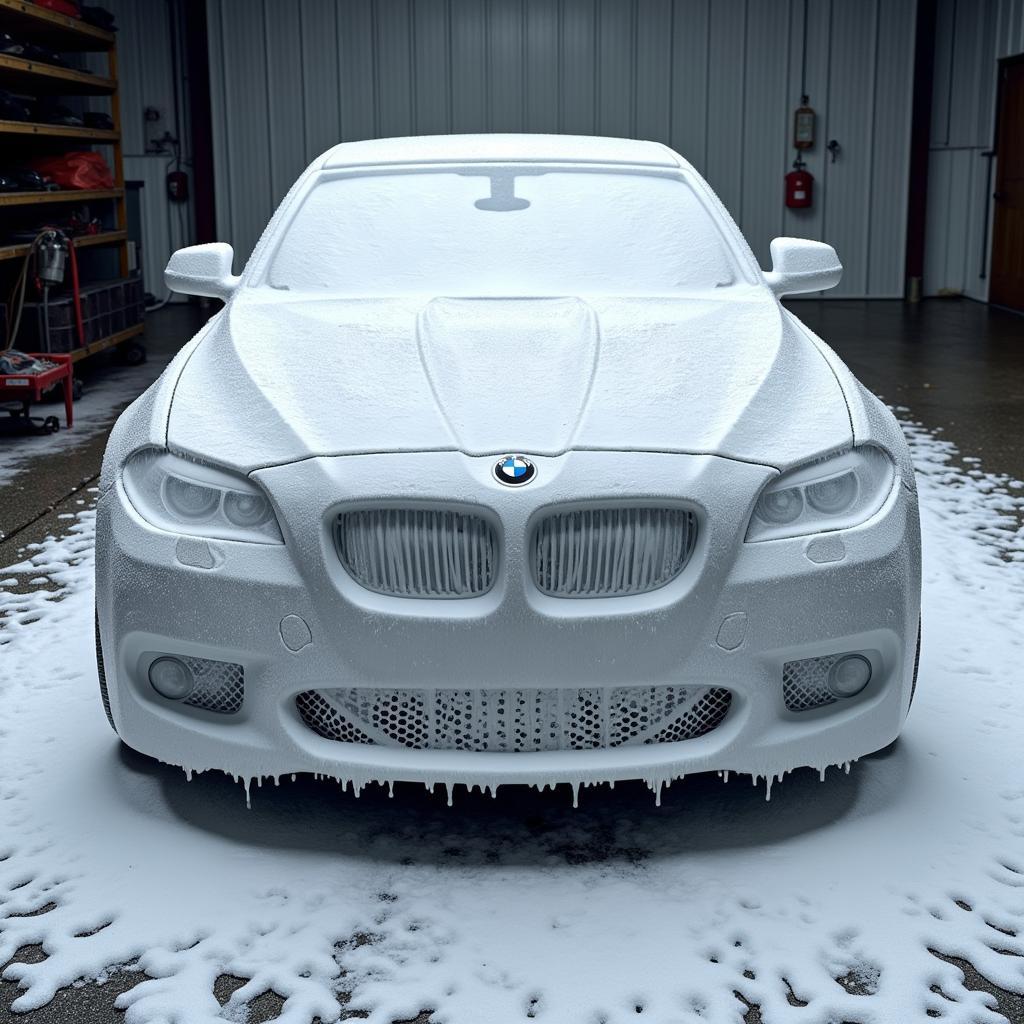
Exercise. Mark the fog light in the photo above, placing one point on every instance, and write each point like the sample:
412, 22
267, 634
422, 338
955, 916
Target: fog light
171, 678
849, 675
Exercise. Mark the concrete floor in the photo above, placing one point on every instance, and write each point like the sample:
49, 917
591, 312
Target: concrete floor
954, 364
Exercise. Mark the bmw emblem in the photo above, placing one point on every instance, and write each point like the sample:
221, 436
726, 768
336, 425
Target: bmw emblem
514, 470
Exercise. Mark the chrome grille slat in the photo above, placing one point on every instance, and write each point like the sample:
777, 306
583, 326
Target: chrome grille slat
515, 721
417, 552
611, 552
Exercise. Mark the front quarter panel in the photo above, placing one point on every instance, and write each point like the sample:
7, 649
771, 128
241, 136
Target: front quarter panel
144, 423
870, 419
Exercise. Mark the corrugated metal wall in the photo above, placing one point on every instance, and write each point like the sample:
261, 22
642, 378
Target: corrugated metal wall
146, 79
715, 79
971, 35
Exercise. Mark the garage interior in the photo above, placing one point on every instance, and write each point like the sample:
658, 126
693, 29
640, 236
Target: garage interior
214, 107
917, 162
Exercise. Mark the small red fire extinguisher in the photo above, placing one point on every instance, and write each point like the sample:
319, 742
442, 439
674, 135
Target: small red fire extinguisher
799, 186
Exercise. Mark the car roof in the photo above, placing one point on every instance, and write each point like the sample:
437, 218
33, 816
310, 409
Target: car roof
461, 149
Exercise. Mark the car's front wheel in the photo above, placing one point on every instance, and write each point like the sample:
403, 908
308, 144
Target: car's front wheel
917, 665
104, 695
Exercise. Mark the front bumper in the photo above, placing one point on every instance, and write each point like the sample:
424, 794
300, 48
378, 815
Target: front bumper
734, 616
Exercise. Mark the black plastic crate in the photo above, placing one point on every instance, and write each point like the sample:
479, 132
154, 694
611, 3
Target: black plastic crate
135, 314
95, 300
62, 339
61, 313
102, 326
32, 327
97, 327
117, 320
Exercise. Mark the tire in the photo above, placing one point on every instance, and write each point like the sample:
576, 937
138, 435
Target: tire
132, 353
917, 665
104, 695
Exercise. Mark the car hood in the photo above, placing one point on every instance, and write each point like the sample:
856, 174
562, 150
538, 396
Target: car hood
279, 378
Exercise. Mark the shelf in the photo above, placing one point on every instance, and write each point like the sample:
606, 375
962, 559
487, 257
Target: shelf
56, 30
13, 252
98, 346
67, 195
57, 131
20, 75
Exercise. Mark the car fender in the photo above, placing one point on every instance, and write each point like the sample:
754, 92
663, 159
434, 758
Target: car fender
144, 423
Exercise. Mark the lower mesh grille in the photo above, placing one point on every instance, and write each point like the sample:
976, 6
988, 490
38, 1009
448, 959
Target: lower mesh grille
409, 552
805, 683
611, 552
515, 720
220, 686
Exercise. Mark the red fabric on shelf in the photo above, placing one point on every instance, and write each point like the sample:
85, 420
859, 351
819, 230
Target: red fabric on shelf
61, 7
78, 169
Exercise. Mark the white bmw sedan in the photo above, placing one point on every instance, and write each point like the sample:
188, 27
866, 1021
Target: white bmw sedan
504, 464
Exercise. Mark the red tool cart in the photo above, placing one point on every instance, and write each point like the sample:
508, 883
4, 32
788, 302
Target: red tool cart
27, 388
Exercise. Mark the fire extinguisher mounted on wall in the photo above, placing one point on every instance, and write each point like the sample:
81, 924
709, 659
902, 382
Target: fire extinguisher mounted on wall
799, 186
800, 181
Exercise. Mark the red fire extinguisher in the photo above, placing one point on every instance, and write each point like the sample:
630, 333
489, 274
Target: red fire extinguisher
177, 186
799, 186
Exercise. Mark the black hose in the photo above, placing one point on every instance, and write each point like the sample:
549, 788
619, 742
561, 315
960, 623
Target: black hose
46, 319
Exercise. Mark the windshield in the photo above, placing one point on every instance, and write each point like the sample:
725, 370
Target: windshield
502, 231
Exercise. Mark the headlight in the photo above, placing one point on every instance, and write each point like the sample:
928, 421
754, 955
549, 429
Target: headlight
833, 494
188, 497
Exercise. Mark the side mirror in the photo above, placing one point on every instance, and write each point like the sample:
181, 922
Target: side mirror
202, 270
800, 265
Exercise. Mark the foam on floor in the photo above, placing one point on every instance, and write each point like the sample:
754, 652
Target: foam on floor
824, 904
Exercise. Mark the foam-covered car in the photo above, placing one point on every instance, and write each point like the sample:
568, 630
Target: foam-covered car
503, 463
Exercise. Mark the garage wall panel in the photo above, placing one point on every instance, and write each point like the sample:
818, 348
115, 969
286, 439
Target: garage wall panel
470, 84
358, 68
890, 168
766, 127
847, 178
716, 79
432, 81
727, 74
146, 75
808, 223
320, 74
578, 68
285, 96
653, 62
392, 42
508, 64
688, 128
245, 192
616, 78
972, 36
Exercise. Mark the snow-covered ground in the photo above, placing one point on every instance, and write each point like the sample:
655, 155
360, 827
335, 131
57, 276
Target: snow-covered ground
828, 898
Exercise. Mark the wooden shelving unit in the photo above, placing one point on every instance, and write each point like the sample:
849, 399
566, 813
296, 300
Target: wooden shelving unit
21, 75
98, 346
57, 131
14, 252
57, 30
68, 195
63, 34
